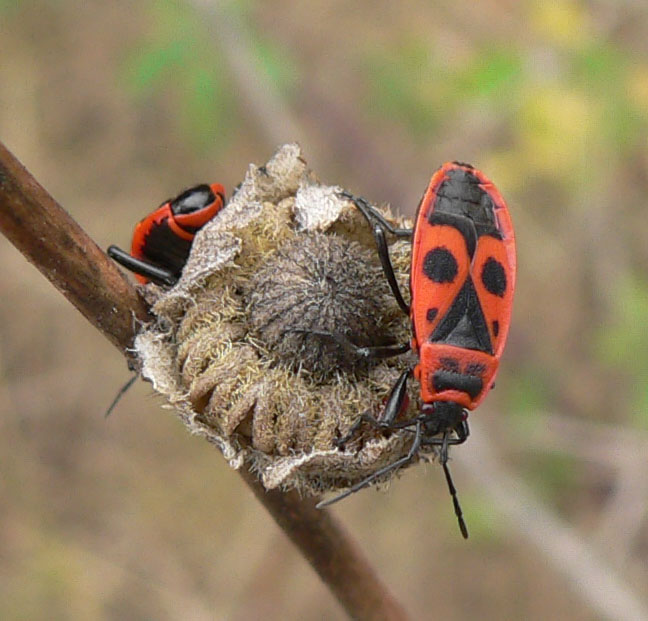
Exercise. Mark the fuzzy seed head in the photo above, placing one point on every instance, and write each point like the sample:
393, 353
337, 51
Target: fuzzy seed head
324, 283
233, 350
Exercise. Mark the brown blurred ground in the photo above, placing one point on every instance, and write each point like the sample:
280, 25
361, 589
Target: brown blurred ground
131, 518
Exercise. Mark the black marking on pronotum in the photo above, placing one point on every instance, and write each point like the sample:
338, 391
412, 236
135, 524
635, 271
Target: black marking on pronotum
164, 247
192, 200
461, 194
474, 368
447, 380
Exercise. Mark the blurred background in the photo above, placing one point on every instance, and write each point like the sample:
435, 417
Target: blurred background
116, 106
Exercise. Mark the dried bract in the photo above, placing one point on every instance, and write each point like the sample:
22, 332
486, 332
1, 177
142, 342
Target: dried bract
233, 350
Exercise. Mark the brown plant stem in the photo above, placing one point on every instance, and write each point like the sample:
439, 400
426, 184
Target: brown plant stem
330, 551
34, 222
50, 239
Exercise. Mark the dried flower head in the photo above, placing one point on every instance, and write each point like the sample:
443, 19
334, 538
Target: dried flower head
232, 349
317, 282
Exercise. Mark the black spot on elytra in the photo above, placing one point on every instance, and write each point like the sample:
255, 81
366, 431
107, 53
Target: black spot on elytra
440, 265
494, 277
431, 314
495, 328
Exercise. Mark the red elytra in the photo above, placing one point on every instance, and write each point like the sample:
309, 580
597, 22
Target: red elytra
162, 240
462, 281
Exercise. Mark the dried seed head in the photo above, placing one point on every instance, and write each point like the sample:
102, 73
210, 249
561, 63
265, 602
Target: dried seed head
318, 282
285, 254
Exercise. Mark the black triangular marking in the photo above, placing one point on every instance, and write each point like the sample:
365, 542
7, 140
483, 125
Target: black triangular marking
464, 324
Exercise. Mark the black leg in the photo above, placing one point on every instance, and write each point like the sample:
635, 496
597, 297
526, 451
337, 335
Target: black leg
369, 212
392, 409
394, 405
158, 275
445, 442
416, 445
379, 225
463, 431
364, 418
120, 394
378, 352
388, 268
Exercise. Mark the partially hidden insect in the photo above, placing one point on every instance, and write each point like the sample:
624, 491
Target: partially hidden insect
162, 240
462, 277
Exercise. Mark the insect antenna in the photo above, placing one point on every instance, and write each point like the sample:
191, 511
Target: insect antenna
455, 499
120, 394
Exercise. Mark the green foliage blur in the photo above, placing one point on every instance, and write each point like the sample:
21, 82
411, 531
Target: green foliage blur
177, 58
623, 345
9, 5
567, 99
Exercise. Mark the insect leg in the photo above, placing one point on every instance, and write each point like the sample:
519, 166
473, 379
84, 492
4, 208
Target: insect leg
460, 439
416, 445
158, 275
388, 268
378, 351
392, 409
379, 225
395, 401
369, 212
120, 394
364, 418
462, 431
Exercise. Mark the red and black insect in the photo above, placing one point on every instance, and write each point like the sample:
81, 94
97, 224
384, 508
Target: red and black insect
162, 241
462, 277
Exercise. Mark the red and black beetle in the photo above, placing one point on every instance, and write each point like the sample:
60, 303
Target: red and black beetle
162, 241
462, 277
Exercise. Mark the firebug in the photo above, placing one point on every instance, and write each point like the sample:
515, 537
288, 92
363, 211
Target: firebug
462, 278
162, 240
